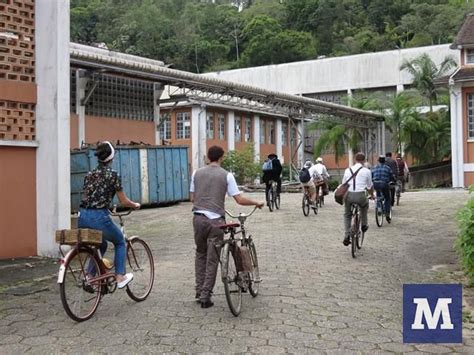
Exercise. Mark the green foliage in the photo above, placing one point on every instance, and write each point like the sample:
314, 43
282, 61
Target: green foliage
465, 241
198, 35
241, 163
333, 183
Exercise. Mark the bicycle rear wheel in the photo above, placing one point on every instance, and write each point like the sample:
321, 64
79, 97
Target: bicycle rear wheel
80, 299
398, 195
140, 262
276, 199
379, 212
233, 292
255, 276
305, 205
270, 199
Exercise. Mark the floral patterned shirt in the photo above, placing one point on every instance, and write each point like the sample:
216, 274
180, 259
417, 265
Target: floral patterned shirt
100, 186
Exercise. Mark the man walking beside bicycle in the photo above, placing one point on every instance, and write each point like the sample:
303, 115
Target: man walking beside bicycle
356, 194
209, 185
382, 176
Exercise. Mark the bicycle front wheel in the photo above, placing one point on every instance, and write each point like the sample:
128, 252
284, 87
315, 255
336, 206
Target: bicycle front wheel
305, 205
233, 292
255, 277
140, 262
379, 213
80, 298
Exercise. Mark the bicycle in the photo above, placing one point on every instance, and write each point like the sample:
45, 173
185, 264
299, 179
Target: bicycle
235, 280
273, 197
81, 292
380, 210
356, 233
306, 202
320, 194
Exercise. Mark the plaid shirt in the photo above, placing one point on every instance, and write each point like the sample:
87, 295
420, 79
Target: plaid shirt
383, 173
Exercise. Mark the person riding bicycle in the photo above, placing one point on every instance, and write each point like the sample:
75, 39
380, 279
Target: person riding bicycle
209, 186
356, 194
382, 176
323, 171
392, 164
272, 172
403, 171
100, 187
308, 177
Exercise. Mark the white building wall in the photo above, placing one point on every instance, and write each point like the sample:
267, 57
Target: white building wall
198, 134
457, 146
370, 70
230, 130
52, 122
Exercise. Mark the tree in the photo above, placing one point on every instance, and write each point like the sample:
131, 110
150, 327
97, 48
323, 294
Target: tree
424, 72
242, 164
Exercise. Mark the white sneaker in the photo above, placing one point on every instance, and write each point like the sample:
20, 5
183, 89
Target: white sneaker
128, 278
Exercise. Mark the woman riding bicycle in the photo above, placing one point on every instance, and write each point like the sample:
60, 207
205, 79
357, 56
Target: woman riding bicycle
100, 187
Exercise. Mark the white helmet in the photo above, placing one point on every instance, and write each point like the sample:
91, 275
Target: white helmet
308, 164
319, 160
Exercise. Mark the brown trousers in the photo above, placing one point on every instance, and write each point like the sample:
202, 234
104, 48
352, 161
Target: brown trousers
206, 234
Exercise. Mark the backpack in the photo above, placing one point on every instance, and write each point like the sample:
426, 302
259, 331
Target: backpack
267, 165
304, 175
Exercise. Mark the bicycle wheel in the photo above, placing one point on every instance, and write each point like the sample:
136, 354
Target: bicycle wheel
233, 292
79, 298
360, 234
140, 262
398, 195
277, 200
353, 244
270, 199
379, 212
315, 208
305, 205
255, 277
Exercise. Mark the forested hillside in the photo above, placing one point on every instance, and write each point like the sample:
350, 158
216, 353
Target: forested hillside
200, 35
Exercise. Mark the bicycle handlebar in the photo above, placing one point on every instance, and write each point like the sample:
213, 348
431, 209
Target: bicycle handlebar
113, 212
241, 215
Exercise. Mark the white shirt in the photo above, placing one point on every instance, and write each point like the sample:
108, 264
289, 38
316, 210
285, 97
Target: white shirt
232, 190
363, 178
321, 169
313, 172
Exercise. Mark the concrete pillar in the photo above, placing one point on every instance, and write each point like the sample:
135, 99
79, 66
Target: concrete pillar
52, 122
81, 83
400, 88
300, 133
278, 140
231, 130
198, 134
350, 154
256, 137
157, 91
457, 146
383, 134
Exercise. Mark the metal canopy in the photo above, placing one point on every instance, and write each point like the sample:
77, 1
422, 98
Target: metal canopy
204, 89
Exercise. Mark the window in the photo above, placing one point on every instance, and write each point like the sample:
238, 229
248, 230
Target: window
262, 131
470, 116
470, 56
293, 135
210, 125
271, 132
238, 129
165, 126
221, 122
284, 133
248, 129
183, 125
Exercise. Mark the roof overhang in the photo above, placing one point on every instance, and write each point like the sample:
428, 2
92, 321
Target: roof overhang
211, 90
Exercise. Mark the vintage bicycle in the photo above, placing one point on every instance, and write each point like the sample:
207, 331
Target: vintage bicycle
81, 293
306, 204
237, 280
356, 233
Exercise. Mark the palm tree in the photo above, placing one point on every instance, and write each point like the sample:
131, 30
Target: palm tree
424, 72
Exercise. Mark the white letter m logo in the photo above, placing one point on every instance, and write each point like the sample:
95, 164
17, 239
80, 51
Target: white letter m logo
432, 319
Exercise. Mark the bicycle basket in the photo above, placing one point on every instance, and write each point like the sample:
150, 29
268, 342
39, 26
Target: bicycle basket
74, 236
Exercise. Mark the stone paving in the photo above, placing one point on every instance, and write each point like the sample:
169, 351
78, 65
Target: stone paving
314, 297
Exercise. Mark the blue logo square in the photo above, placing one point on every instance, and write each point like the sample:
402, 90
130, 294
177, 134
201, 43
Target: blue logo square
432, 313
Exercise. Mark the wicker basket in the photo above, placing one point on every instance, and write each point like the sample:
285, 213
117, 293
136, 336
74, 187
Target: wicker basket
74, 236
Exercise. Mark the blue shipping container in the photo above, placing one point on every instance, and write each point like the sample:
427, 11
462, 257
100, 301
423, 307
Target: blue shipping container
150, 175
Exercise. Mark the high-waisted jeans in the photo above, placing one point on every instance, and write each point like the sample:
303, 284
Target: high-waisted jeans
100, 219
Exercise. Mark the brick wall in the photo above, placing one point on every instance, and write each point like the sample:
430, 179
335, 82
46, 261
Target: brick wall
17, 70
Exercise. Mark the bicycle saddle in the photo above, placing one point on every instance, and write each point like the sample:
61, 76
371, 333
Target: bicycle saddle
229, 225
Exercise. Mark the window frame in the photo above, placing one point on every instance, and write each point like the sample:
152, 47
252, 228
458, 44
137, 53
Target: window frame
284, 134
183, 117
470, 116
248, 129
221, 126
165, 126
210, 120
238, 128
469, 53
271, 132
263, 134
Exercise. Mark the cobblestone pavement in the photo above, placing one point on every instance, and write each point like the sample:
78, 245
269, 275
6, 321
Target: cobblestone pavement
314, 297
